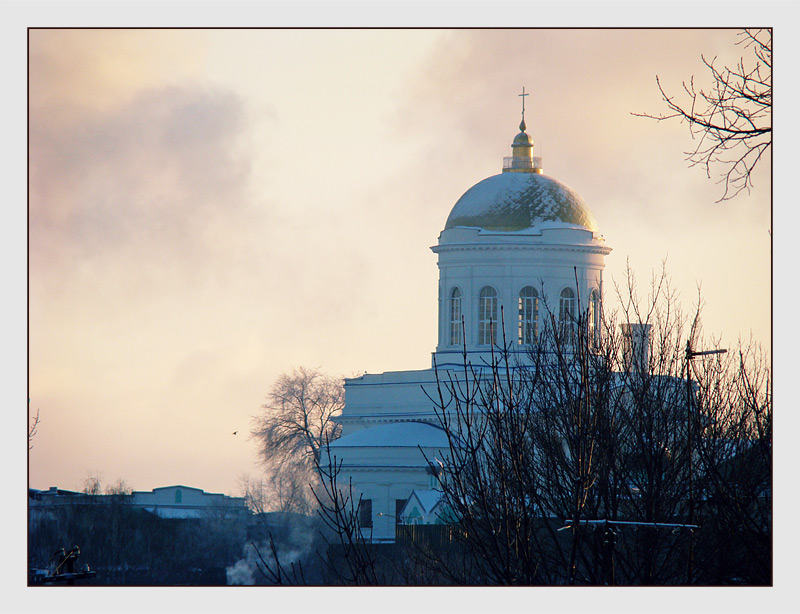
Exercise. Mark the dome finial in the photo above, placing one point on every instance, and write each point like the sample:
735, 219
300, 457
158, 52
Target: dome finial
522, 95
522, 160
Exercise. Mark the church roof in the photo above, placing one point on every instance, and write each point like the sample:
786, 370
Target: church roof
398, 434
517, 201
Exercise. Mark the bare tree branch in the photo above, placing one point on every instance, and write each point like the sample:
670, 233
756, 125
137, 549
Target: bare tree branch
732, 121
32, 428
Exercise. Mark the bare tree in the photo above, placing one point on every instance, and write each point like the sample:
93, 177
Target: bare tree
92, 484
33, 426
283, 489
732, 121
119, 488
734, 458
531, 448
349, 557
333, 539
296, 422
586, 463
577, 466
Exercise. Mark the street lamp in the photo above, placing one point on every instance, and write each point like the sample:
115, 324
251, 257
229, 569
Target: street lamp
690, 355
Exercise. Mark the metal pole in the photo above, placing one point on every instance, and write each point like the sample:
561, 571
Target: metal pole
690, 354
689, 456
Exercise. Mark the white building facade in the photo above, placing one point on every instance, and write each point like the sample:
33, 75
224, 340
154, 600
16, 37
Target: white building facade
515, 246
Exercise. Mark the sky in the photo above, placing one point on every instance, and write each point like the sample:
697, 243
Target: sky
207, 209
211, 208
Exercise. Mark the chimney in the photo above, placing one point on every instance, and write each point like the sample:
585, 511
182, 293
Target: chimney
636, 346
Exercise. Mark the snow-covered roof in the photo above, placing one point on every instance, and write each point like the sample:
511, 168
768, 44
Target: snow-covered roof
516, 201
427, 498
398, 435
181, 486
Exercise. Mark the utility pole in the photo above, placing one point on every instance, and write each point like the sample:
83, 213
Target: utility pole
690, 354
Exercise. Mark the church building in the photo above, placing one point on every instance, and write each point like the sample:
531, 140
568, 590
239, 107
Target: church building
513, 243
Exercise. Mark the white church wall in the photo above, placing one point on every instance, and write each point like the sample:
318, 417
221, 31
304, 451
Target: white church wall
393, 396
385, 463
383, 488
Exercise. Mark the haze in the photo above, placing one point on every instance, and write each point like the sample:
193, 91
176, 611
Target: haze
209, 209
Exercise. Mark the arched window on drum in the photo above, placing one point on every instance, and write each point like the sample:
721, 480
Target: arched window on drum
528, 330
487, 316
455, 317
566, 316
594, 318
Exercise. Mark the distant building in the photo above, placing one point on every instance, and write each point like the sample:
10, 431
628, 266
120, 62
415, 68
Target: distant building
186, 502
166, 502
515, 242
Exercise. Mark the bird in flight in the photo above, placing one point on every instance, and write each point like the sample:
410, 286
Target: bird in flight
234, 432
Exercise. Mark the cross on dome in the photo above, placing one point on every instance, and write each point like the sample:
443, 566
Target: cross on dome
522, 95
522, 160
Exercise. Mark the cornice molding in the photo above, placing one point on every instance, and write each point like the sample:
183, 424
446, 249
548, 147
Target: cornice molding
393, 468
463, 247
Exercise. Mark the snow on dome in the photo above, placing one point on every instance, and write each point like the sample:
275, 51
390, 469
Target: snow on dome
398, 435
517, 201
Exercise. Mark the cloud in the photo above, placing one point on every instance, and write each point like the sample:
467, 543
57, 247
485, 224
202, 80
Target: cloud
192, 236
152, 178
73, 71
